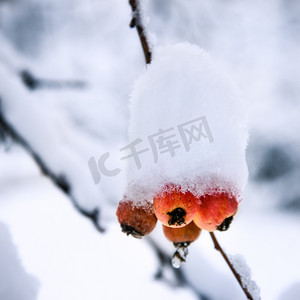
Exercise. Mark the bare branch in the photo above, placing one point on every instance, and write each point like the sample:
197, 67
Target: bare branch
235, 273
136, 22
33, 83
59, 181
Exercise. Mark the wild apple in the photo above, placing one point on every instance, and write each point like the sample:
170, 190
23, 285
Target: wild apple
175, 208
136, 219
186, 234
216, 211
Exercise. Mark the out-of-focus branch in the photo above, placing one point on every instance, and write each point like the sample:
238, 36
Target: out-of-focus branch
136, 22
60, 181
235, 273
165, 264
33, 83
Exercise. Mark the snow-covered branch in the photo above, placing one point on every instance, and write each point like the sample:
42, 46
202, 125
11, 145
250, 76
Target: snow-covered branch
32, 82
60, 181
231, 266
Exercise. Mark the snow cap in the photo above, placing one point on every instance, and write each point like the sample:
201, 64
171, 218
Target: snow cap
188, 126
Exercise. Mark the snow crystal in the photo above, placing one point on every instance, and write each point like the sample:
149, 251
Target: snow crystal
239, 263
187, 127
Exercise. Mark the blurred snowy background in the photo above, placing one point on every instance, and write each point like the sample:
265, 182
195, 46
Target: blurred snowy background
50, 251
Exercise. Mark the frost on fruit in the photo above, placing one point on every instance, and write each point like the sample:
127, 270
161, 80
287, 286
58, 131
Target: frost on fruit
175, 208
182, 163
136, 219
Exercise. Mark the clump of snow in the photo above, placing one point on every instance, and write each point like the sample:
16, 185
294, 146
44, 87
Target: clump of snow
15, 282
63, 143
188, 126
240, 265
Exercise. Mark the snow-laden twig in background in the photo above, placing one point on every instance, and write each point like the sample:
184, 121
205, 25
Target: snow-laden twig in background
32, 82
234, 270
239, 263
60, 181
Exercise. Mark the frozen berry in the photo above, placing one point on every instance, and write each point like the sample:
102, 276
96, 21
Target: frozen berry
175, 208
216, 211
136, 218
186, 234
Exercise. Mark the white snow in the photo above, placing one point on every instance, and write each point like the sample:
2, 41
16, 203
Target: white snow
64, 138
69, 257
291, 293
255, 41
183, 90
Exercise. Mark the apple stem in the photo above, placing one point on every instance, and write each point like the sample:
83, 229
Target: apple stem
235, 273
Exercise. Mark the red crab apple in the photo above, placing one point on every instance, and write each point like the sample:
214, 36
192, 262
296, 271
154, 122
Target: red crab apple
136, 218
175, 208
216, 211
186, 234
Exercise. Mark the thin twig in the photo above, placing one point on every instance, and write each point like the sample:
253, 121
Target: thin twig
60, 181
235, 273
136, 22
